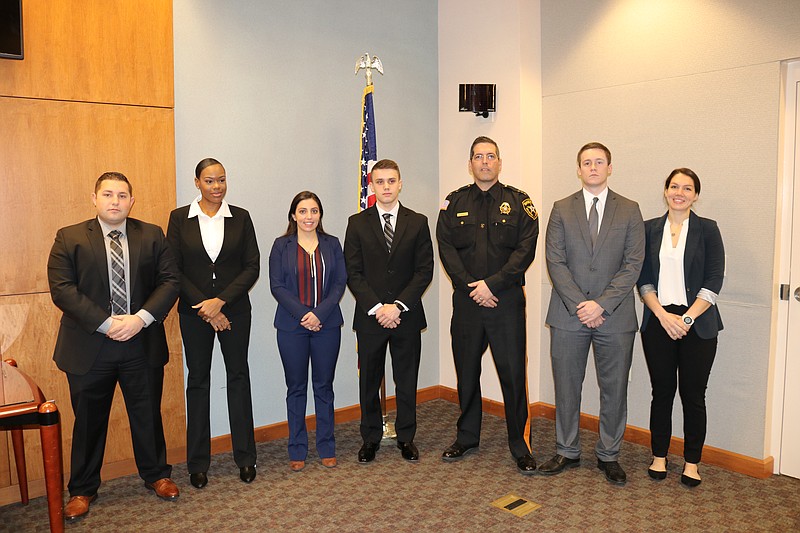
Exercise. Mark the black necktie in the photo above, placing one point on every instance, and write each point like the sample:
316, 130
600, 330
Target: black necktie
388, 232
119, 294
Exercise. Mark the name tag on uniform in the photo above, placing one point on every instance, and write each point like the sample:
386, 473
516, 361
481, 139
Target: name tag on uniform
462, 214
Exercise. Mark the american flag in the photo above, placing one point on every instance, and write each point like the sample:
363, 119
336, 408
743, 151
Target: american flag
369, 149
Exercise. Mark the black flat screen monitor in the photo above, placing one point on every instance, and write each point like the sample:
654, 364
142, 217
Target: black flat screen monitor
11, 29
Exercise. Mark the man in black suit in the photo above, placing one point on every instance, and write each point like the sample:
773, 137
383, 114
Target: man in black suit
115, 280
389, 258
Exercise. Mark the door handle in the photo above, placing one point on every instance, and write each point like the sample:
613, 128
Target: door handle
797, 294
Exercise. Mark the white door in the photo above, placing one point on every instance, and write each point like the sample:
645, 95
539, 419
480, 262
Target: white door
790, 434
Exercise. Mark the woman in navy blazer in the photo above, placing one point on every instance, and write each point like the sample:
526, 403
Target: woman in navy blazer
215, 245
307, 277
682, 275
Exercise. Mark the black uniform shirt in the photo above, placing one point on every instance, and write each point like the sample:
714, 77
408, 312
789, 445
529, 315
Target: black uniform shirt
498, 248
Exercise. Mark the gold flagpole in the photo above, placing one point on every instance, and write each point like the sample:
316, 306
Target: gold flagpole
368, 63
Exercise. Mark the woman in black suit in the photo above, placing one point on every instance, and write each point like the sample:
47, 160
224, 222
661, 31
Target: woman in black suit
307, 276
681, 277
215, 245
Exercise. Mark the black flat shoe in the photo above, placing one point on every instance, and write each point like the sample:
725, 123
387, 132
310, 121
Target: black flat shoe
690, 482
198, 480
457, 451
658, 475
409, 451
558, 464
247, 473
367, 452
614, 473
526, 465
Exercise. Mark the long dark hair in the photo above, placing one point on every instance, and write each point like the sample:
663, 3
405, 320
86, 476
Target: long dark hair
299, 197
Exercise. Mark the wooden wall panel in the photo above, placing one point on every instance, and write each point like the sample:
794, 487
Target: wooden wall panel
52, 153
117, 51
93, 94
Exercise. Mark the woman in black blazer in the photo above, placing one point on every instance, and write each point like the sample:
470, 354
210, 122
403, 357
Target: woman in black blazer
681, 277
307, 276
215, 245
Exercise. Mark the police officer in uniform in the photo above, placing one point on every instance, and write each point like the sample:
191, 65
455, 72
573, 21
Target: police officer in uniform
487, 234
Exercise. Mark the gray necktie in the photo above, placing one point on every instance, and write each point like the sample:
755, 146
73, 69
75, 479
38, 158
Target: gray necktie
388, 232
119, 294
593, 221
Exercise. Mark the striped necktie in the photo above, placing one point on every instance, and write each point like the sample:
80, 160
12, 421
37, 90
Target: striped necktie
388, 232
119, 294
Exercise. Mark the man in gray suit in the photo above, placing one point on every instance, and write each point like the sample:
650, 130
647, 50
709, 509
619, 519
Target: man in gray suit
594, 251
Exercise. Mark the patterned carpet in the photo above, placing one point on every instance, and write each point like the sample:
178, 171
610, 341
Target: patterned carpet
392, 495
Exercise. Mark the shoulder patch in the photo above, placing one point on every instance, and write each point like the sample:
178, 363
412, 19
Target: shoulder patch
444, 205
529, 208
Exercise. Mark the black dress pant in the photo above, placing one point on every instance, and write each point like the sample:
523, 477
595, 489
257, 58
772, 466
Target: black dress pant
683, 365
473, 329
198, 341
405, 346
91, 396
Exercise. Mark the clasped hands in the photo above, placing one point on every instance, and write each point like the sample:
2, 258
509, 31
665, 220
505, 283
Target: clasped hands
311, 322
124, 327
388, 316
482, 295
674, 326
590, 313
211, 311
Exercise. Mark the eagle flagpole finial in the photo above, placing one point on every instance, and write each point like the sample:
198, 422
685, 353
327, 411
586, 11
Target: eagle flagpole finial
368, 63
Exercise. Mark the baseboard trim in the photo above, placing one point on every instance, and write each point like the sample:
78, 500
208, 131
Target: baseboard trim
735, 462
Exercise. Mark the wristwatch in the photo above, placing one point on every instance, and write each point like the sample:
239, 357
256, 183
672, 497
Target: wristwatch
687, 320
400, 307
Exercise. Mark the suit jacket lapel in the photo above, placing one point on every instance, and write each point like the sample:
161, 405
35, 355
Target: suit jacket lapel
134, 249
376, 225
192, 226
94, 232
692, 241
579, 210
608, 215
655, 245
399, 228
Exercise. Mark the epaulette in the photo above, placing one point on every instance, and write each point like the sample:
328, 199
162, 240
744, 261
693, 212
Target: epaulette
515, 189
464, 188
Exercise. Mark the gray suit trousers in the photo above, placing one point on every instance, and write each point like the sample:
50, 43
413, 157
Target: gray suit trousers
613, 353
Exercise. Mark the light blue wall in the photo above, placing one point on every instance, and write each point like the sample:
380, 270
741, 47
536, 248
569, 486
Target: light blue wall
268, 88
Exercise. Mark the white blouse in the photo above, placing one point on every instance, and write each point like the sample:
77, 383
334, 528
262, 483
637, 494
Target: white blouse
671, 280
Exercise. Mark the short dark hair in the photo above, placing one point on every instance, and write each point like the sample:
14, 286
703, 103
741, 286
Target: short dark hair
594, 146
483, 139
204, 164
299, 197
686, 171
112, 176
385, 164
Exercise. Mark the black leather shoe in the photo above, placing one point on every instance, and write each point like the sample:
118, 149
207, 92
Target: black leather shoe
457, 451
658, 475
558, 464
526, 465
409, 451
367, 452
247, 473
198, 480
614, 473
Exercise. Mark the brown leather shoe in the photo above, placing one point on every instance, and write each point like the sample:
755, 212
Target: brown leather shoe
329, 462
164, 488
297, 466
77, 507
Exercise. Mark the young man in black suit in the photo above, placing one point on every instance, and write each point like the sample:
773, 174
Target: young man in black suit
115, 280
389, 258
